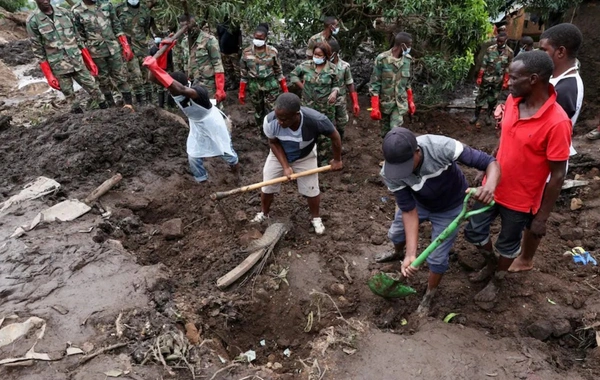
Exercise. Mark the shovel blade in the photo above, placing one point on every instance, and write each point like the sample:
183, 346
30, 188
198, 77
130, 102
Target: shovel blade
387, 287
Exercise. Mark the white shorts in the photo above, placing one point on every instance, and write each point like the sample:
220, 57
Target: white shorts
307, 186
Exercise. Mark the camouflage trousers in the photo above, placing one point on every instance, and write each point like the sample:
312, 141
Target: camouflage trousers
391, 120
341, 115
262, 94
87, 82
231, 65
134, 76
112, 70
147, 85
488, 94
323, 142
208, 83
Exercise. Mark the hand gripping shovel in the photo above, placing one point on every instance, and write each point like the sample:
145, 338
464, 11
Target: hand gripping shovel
388, 287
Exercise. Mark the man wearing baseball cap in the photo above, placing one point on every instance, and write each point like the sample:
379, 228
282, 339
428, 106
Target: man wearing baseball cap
423, 174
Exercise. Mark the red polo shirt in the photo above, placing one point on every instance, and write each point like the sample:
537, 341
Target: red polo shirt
526, 146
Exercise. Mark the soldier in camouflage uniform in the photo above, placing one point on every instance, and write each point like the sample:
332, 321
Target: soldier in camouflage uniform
327, 35
137, 21
99, 28
56, 45
206, 67
261, 72
318, 79
345, 81
390, 84
492, 77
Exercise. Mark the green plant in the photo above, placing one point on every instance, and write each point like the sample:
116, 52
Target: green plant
13, 5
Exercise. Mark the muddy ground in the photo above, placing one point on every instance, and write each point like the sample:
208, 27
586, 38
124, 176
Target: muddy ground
121, 259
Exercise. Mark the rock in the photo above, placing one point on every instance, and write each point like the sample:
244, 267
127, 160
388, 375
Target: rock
172, 229
557, 219
571, 234
377, 239
576, 204
240, 216
337, 289
134, 203
471, 261
99, 236
540, 330
191, 333
594, 172
277, 365
251, 234
561, 327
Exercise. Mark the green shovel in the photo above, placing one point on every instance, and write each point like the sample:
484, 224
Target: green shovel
386, 286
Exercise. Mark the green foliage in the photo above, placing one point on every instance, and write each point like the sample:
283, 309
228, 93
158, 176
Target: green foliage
440, 75
13, 5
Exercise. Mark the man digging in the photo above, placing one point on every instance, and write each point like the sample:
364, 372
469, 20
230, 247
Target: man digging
423, 174
292, 131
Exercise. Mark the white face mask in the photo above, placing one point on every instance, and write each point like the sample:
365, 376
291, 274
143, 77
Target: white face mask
335, 31
405, 52
258, 43
318, 61
133, 2
157, 40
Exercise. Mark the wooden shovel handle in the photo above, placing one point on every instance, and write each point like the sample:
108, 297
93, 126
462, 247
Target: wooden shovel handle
175, 37
243, 189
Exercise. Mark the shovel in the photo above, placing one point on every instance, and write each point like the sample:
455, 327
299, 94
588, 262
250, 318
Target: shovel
386, 286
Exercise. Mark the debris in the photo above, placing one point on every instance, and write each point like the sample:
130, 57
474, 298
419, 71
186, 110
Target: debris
347, 269
449, 317
191, 333
571, 183
252, 234
74, 351
249, 355
287, 352
309, 322
33, 190
87, 347
222, 359
277, 365
540, 330
403, 322
172, 229
14, 331
263, 343
337, 289
576, 204
104, 188
561, 327
114, 373
60, 309
64, 211
581, 256
119, 325
550, 301
349, 351
89, 357
492, 374
240, 216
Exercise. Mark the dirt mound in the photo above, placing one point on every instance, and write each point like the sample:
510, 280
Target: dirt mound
79, 148
17, 53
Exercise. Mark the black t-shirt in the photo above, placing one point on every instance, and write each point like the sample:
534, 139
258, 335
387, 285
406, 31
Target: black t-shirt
202, 100
229, 38
566, 95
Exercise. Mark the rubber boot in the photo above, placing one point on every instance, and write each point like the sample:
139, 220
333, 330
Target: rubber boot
139, 98
127, 99
475, 116
161, 99
108, 98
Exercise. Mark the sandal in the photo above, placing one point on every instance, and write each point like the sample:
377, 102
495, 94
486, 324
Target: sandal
593, 135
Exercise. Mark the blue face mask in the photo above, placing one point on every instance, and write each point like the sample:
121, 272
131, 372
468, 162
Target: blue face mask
318, 61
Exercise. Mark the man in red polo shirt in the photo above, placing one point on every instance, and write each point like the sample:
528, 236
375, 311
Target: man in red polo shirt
535, 141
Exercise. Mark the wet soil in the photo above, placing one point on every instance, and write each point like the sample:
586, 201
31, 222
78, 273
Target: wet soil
17, 52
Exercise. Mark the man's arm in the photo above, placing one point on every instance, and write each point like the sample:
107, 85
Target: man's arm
278, 151
115, 22
215, 54
375, 81
558, 171
35, 38
482, 161
296, 76
175, 88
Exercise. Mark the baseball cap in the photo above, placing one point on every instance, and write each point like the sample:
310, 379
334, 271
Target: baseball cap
399, 147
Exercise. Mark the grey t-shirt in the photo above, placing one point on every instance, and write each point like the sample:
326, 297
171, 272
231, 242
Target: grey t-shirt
298, 144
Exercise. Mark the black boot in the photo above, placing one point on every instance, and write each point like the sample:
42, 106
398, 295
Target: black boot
103, 105
108, 98
139, 98
161, 99
127, 98
476, 115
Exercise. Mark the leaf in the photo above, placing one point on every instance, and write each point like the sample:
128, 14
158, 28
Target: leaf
403, 322
449, 317
550, 301
114, 373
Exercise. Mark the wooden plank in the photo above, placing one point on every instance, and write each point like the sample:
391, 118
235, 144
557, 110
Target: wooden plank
242, 268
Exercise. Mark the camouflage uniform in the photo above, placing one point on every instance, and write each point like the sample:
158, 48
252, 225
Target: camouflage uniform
262, 72
495, 65
136, 24
389, 81
231, 65
315, 94
317, 38
341, 108
99, 27
56, 40
205, 61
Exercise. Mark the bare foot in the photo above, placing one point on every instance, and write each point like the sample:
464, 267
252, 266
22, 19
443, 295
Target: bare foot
521, 265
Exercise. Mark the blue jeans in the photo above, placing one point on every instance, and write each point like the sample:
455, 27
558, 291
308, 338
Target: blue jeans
438, 259
198, 170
